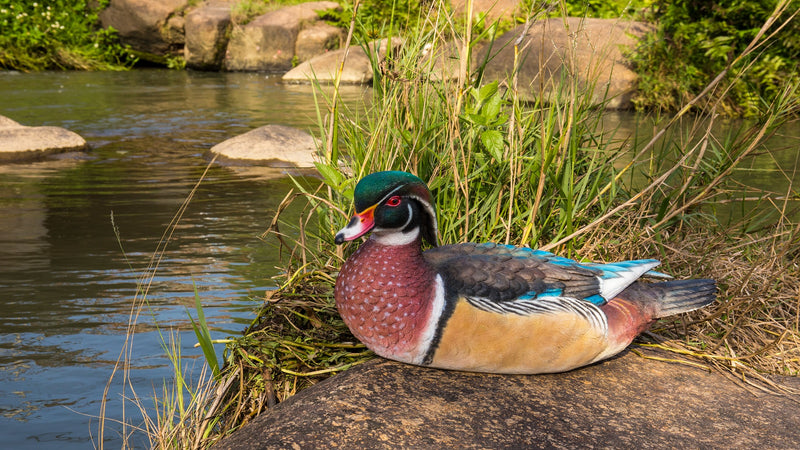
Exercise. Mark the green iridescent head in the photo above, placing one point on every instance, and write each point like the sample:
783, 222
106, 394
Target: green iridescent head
392, 202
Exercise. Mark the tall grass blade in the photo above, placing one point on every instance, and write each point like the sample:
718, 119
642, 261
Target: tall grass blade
203, 334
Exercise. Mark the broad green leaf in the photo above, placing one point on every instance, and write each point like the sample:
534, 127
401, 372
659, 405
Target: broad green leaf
492, 107
487, 91
332, 177
493, 141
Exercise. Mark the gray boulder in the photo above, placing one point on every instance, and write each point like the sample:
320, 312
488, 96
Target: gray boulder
268, 42
270, 145
589, 51
357, 68
149, 26
626, 402
317, 39
20, 143
207, 28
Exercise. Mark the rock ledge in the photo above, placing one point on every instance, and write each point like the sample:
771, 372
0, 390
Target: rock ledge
624, 402
270, 145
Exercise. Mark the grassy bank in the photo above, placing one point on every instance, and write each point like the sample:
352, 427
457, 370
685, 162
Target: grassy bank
695, 41
545, 175
58, 34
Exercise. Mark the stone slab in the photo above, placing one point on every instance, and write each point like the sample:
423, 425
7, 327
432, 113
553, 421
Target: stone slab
625, 402
20, 143
270, 145
357, 68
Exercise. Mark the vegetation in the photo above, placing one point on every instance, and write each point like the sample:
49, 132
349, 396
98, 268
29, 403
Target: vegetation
58, 34
695, 41
376, 18
692, 42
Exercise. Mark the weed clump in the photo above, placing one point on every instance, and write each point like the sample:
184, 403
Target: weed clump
543, 174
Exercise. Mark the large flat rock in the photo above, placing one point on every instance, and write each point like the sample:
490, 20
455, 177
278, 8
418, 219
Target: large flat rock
357, 68
628, 401
20, 143
270, 145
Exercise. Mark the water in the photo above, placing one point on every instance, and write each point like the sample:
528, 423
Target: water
66, 284
773, 170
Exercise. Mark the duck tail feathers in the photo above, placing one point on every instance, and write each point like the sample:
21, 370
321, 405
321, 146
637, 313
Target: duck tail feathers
681, 296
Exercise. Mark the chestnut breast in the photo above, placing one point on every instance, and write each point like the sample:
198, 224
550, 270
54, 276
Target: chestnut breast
384, 294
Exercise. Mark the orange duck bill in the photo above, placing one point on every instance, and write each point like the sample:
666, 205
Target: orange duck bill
359, 225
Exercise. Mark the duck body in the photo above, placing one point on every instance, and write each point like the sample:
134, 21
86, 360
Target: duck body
487, 307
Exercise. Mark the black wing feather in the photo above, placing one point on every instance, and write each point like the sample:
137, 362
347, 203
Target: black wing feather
499, 273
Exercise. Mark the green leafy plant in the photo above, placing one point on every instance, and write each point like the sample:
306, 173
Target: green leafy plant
63, 34
376, 18
696, 41
606, 9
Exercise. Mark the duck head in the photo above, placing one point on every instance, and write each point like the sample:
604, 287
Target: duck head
396, 206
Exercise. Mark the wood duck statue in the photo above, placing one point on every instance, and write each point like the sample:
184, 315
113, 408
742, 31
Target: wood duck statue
488, 307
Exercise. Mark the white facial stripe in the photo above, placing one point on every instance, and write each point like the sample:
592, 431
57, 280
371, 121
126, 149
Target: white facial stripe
431, 211
410, 214
386, 197
400, 228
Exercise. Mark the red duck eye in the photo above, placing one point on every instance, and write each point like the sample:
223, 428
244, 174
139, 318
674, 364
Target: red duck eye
393, 201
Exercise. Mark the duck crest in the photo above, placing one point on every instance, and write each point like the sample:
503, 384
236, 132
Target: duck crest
386, 296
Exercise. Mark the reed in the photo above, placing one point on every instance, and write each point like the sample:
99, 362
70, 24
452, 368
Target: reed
181, 415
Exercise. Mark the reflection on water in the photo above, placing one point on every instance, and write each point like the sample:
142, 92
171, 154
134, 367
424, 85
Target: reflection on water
67, 281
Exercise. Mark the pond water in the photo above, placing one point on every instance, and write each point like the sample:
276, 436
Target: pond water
67, 281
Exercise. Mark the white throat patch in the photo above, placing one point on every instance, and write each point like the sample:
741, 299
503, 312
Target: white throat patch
394, 237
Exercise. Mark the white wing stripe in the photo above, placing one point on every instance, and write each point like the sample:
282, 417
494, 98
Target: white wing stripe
545, 305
